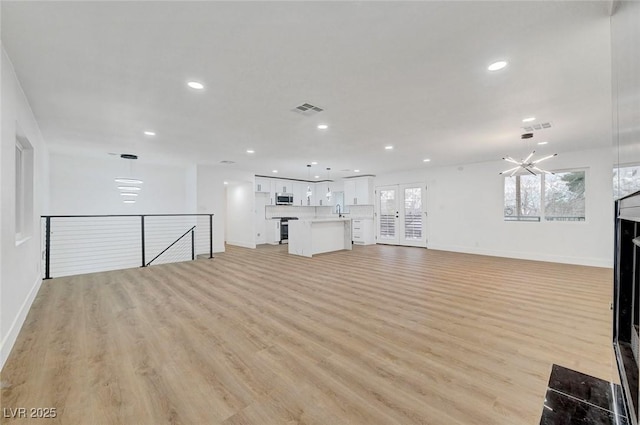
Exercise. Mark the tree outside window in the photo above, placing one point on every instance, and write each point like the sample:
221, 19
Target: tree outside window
626, 180
522, 198
564, 196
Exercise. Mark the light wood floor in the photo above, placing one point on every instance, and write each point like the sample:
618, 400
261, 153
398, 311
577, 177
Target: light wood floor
379, 335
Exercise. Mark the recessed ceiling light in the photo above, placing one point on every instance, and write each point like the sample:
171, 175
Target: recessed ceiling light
128, 181
426, 160
314, 162
250, 151
195, 85
129, 201
388, 147
274, 171
317, 177
529, 119
128, 188
149, 133
542, 143
322, 126
356, 171
496, 66
225, 182
128, 194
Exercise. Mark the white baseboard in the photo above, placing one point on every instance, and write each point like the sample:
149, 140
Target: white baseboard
581, 261
10, 338
242, 244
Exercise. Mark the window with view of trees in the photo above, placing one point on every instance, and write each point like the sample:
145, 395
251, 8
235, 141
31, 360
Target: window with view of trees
564, 196
626, 180
522, 198
562, 199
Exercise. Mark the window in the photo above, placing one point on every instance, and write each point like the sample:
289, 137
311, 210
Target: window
23, 188
563, 197
626, 180
522, 198
19, 190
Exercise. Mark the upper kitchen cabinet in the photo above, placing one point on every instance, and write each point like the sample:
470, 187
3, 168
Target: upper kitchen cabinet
263, 184
358, 191
309, 200
283, 186
296, 189
299, 190
319, 198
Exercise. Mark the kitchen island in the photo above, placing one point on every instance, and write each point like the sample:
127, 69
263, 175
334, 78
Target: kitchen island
317, 235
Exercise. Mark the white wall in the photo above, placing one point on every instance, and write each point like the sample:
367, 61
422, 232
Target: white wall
241, 214
212, 197
20, 274
261, 201
465, 207
85, 185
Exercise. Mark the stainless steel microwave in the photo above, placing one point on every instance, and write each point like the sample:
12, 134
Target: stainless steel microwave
284, 198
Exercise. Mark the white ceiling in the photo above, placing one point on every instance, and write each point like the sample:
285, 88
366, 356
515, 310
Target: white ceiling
409, 74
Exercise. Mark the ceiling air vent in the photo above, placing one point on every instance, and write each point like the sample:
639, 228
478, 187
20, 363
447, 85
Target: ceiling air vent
541, 126
226, 161
307, 109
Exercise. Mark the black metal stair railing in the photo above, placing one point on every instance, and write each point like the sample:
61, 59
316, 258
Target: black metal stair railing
77, 244
193, 256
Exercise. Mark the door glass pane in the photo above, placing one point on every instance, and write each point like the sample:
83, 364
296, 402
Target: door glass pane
387, 213
413, 213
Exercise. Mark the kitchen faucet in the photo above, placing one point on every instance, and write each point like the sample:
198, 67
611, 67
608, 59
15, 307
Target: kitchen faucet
338, 210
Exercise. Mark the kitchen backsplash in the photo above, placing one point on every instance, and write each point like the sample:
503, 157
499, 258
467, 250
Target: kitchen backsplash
360, 211
355, 211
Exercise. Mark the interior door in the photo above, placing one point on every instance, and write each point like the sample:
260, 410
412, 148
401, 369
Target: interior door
402, 214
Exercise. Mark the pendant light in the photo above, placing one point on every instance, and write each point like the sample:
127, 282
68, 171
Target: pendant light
328, 183
128, 184
309, 193
528, 164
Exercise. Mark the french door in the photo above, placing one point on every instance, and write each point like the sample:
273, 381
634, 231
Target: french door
401, 214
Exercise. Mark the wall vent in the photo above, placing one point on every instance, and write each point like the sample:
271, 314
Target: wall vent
226, 161
534, 127
307, 109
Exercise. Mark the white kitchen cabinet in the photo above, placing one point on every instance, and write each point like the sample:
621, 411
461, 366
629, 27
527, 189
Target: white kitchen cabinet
358, 191
320, 195
299, 190
311, 199
263, 185
267, 185
362, 231
283, 186
333, 186
272, 232
350, 191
